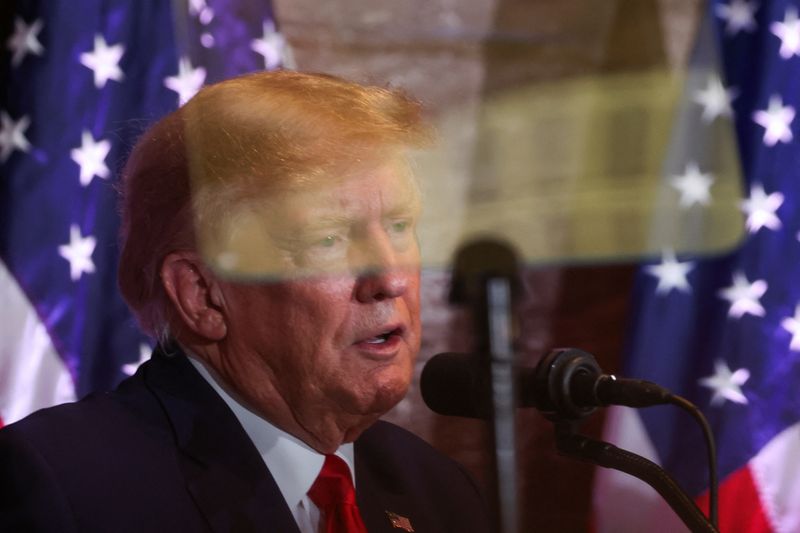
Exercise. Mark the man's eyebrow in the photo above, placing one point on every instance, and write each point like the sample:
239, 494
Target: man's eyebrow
335, 219
406, 209
330, 220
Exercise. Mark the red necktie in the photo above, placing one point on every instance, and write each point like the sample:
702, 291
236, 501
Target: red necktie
335, 496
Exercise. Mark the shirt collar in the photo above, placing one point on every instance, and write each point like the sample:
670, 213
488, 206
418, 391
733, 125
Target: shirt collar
293, 464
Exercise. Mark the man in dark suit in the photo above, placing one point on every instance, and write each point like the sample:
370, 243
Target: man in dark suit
268, 243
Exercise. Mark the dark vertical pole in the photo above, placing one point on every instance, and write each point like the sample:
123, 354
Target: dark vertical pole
501, 365
485, 277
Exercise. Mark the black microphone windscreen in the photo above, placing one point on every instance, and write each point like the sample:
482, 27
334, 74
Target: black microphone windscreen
455, 385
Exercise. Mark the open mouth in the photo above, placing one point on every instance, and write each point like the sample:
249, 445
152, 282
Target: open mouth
383, 337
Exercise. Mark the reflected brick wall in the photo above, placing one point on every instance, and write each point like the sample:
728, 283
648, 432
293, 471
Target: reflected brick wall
455, 55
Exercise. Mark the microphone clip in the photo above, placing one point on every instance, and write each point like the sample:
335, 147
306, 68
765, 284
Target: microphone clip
555, 392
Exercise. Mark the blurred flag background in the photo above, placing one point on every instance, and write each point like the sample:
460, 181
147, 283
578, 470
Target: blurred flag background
81, 81
725, 331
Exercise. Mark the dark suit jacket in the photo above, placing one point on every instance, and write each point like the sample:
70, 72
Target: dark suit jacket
163, 452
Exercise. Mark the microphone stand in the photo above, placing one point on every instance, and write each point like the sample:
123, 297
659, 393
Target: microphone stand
572, 444
498, 303
485, 275
553, 393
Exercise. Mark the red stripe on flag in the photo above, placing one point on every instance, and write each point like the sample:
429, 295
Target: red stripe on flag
740, 509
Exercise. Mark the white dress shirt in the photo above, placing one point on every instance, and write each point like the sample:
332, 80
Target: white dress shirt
292, 463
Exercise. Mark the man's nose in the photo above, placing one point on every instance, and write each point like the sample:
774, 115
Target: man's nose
382, 272
382, 285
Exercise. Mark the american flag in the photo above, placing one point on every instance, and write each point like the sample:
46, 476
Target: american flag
81, 82
725, 331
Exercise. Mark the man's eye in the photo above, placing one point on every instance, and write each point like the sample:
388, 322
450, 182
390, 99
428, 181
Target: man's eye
328, 241
399, 226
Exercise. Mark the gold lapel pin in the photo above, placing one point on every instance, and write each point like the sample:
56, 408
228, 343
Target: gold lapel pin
400, 522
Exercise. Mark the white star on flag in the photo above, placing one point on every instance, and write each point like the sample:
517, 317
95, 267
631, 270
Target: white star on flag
78, 252
715, 99
188, 81
788, 32
104, 61
671, 274
144, 355
738, 16
91, 158
792, 325
200, 9
744, 296
12, 135
760, 209
725, 384
24, 40
197, 6
694, 186
270, 45
776, 121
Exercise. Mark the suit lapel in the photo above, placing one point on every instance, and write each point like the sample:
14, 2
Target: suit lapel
378, 494
224, 472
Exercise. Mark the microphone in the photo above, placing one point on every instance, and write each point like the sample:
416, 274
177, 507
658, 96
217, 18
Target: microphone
566, 384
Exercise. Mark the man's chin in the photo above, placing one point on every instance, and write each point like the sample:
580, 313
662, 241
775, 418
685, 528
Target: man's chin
386, 399
368, 411
381, 398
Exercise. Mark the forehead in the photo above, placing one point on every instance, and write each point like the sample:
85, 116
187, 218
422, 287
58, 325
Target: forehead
381, 190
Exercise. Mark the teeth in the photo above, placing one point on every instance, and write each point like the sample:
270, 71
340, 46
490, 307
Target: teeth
379, 339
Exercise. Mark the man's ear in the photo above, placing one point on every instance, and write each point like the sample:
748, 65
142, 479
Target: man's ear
195, 294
